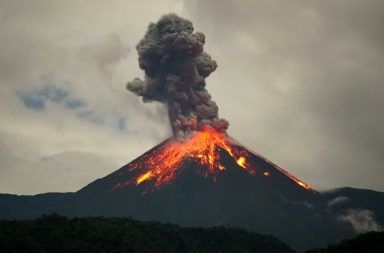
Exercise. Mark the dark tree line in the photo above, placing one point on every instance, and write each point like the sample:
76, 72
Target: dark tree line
58, 234
372, 242
54, 233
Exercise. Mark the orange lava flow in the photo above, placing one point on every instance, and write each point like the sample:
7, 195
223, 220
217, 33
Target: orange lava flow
203, 147
286, 173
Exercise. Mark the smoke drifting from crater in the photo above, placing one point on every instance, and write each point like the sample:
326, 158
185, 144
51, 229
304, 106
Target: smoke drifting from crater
175, 65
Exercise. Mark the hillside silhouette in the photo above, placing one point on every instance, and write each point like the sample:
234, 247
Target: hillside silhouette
371, 242
54, 233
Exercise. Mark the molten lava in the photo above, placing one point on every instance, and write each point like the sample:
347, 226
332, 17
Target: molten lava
204, 147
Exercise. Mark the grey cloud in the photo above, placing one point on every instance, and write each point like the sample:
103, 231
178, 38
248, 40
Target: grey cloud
308, 78
85, 49
107, 51
311, 75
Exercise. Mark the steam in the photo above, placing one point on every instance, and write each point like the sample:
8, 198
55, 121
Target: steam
176, 66
361, 220
338, 201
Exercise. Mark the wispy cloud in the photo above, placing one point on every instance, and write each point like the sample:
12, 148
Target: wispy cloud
121, 123
33, 101
40, 98
362, 220
37, 99
74, 103
337, 201
91, 116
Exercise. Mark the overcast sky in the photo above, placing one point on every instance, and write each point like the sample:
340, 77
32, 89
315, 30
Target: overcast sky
301, 82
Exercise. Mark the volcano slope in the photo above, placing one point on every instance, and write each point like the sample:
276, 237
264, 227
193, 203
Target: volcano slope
267, 201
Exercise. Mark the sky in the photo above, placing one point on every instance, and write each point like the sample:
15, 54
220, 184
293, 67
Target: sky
300, 82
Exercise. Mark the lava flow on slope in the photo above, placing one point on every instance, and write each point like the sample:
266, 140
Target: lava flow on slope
161, 166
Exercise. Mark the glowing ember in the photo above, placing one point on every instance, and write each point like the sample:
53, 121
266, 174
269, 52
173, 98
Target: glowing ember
304, 185
143, 177
241, 162
203, 147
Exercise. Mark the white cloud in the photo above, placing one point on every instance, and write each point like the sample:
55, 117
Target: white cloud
337, 201
361, 220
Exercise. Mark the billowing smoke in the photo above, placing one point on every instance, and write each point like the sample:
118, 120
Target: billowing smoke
175, 66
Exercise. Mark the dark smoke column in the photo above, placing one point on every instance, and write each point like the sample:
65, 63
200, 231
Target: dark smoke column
176, 66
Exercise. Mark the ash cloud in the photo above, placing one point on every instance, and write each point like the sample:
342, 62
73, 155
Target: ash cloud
175, 65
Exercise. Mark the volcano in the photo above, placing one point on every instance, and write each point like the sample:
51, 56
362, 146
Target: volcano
210, 180
207, 180
200, 176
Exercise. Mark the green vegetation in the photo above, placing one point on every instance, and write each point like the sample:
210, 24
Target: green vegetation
54, 233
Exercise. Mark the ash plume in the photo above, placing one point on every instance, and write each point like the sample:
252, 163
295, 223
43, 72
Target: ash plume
175, 65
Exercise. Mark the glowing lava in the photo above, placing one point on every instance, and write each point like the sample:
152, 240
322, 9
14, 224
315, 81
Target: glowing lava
204, 147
